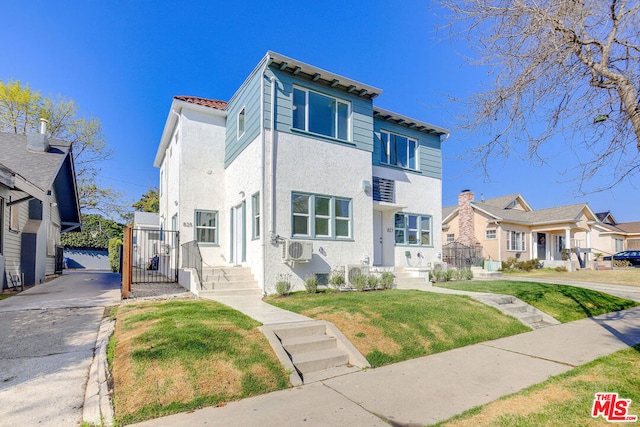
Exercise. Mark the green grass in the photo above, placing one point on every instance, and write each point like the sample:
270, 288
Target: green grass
177, 356
4, 297
565, 399
564, 303
395, 325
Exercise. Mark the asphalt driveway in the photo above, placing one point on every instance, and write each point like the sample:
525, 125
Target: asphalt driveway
47, 339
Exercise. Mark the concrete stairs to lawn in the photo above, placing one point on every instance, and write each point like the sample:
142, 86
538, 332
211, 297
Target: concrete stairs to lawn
525, 313
313, 350
229, 281
411, 278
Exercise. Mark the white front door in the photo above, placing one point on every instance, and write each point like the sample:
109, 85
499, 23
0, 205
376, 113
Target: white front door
377, 238
238, 234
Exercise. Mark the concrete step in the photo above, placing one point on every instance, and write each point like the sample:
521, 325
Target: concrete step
318, 360
231, 292
304, 344
231, 278
515, 308
300, 330
325, 374
225, 286
540, 325
504, 299
531, 318
226, 271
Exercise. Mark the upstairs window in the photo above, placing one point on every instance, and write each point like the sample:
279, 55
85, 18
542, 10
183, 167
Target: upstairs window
398, 150
241, 123
321, 114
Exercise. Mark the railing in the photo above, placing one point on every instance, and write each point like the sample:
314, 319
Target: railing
191, 258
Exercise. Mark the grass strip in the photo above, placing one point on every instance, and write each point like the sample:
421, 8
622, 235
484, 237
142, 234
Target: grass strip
564, 303
395, 325
177, 356
565, 399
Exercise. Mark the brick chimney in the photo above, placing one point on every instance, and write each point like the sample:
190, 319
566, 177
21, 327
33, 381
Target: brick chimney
38, 141
465, 218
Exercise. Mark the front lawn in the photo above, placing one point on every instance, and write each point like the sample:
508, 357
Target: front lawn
395, 325
176, 356
564, 400
619, 276
564, 303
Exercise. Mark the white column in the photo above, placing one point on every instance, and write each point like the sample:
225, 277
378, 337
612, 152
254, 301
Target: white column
567, 238
533, 244
586, 255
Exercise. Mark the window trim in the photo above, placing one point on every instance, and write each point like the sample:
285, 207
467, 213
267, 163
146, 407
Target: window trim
216, 241
306, 91
405, 229
387, 151
14, 218
243, 113
332, 217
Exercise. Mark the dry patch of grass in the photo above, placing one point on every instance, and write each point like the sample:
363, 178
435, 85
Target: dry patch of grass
564, 400
176, 356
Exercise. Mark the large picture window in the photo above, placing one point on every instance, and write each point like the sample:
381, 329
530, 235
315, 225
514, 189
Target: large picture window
321, 114
398, 150
206, 227
516, 241
321, 217
411, 229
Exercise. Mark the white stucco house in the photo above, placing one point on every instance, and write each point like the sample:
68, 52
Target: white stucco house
300, 173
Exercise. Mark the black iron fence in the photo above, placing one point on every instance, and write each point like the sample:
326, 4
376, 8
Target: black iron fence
462, 256
154, 256
192, 258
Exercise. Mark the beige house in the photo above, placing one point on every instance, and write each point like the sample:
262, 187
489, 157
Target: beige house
507, 226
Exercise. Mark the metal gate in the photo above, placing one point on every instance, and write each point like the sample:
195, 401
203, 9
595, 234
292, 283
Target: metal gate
462, 256
154, 256
59, 264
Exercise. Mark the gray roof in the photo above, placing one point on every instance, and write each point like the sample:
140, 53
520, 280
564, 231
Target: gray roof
40, 169
50, 170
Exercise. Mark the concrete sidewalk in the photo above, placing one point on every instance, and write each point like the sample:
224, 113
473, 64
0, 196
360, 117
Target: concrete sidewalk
433, 388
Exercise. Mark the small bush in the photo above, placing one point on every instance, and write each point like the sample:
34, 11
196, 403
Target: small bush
514, 264
561, 268
621, 263
336, 280
467, 274
311, 284
114, 254
283, 285
448, 275
386, 280
373, 282
359, 282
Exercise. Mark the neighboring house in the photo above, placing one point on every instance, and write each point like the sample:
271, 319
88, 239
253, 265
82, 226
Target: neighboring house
38, 201
507, 226
299, 173
617, 237
146, 238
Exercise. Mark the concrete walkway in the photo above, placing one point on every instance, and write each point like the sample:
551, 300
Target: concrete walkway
254, 307
429, 389
47, 340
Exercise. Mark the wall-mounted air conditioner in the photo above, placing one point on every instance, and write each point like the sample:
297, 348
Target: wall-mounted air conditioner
294, 250
355, 270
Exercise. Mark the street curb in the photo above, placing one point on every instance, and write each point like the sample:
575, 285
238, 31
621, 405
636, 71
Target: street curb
97, 409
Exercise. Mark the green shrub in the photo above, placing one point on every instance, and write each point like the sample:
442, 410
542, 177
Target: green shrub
283, 285
311, 284
561, 268
621, 263
336, 280
386, 280
448, 275
114, 254
359, 281
373, 282
467, 274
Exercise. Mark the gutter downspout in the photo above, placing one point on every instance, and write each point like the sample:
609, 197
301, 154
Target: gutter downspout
272, 232
263, 178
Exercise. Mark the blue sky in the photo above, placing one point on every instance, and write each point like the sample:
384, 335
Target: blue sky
123, 61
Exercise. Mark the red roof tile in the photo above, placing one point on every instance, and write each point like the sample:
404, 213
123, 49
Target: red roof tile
211, 103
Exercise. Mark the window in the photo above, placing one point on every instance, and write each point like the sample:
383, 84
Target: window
515, 240
619, 243
559, 243
490, 235
207, 227
174, 222
1, 225
321, 114
413, 229
53, 238
241, 123
255, 209
322, 217
398, 150
451, 238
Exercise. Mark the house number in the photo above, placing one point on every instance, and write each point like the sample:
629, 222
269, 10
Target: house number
187, 224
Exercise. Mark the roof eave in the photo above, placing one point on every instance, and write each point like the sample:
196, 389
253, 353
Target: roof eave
421, 126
